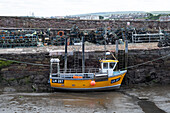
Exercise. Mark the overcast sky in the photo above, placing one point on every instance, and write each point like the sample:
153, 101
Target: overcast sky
49, 8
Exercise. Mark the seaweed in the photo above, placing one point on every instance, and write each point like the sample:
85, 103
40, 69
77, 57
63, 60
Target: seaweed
5, 63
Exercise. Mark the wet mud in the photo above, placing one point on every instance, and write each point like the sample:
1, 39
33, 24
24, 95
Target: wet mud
118, 101
146, 105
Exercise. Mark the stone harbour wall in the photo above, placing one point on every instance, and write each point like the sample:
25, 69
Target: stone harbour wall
152, 72
32, 77
31, 22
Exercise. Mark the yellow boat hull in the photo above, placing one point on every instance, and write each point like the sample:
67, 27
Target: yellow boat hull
113, 82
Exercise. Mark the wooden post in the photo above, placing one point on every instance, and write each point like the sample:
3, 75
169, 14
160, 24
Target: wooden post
117, 52
126, 60
132, 38
126, 54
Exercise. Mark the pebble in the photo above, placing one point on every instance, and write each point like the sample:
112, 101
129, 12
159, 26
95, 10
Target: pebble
143, 98
67, 105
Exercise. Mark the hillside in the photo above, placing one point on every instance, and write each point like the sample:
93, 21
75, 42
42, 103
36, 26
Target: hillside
123, 12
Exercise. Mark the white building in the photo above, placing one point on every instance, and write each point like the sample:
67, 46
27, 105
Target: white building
89, 17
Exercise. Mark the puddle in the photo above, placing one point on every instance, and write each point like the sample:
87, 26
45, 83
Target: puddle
149, 107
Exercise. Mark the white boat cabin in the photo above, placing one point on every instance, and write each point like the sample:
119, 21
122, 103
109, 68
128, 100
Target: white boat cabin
108, 66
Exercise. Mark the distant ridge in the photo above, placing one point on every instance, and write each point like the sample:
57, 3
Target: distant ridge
160, 12
122, 12
108, 13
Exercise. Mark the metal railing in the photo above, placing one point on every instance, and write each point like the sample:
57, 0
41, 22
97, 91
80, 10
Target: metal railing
147, 37
79, 70
71, 73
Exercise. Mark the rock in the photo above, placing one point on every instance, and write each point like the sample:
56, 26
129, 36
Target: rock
9, 89
37, 81
44, 81
143, 98
34, 87
67, 105
31, 77
14, 83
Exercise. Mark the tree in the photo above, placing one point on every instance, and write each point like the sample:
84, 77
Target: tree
101, 17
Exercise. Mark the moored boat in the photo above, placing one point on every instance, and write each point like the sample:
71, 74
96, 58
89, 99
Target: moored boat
103, 78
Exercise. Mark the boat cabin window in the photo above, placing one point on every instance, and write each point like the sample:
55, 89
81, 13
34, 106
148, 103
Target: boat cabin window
54, 69
112, 65
105, 65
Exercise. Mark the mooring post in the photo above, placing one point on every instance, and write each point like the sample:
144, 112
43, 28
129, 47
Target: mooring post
65, 65
132, 38
126, 53
126, 60
83, 59
117, 51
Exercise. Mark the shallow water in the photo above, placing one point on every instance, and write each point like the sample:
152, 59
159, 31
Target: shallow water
119, 101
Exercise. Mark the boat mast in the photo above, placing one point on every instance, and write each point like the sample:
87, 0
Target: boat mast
65, 64
83, 59
105, 36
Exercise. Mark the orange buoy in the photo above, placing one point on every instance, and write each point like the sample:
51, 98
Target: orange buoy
20, 37
92, 83
60, 33
3, 37
45, 44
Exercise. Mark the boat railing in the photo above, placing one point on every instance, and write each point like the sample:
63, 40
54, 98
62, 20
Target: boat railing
76, 73
79, 70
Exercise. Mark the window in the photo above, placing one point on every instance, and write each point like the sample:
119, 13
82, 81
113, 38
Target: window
54, 69
105, 65
112, 65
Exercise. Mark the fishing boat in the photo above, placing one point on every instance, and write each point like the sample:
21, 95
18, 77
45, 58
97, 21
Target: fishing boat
103, 78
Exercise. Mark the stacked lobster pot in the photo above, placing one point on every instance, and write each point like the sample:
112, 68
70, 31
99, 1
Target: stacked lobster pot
17, 38
59, 39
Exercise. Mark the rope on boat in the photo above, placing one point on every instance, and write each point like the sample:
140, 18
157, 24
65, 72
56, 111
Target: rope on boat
120, 69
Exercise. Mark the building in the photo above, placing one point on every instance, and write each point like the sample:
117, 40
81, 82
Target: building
89, 17
164, 18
